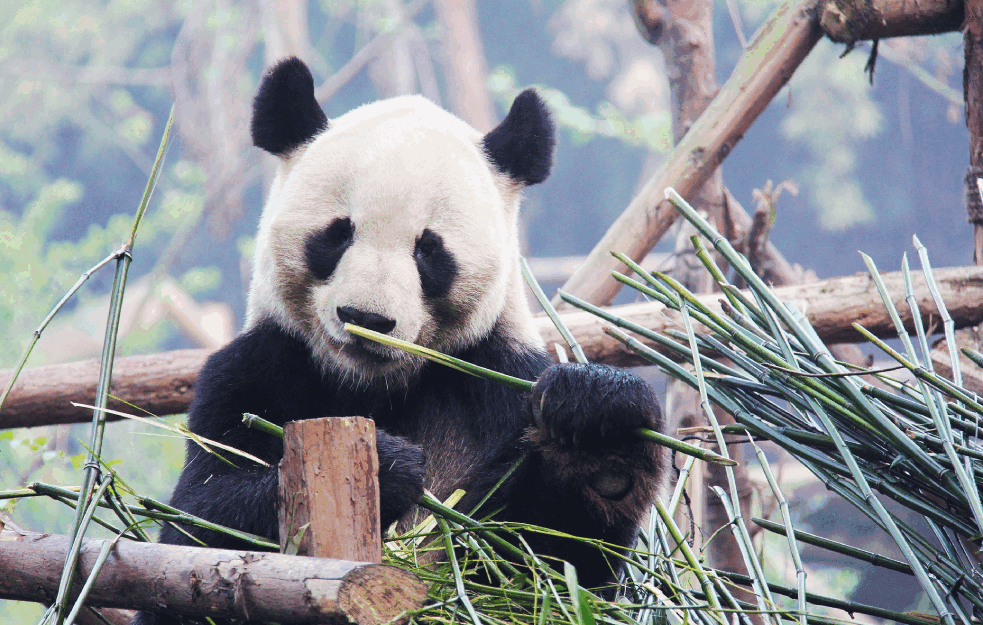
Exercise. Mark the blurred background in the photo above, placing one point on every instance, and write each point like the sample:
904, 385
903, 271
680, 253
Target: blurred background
85, 90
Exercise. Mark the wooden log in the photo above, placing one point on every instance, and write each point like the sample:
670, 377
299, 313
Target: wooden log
212, 582
161, 383
766, 65
849, 21
329, 481
831, 305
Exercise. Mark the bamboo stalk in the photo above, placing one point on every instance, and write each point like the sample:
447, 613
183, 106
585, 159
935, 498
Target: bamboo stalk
90, 471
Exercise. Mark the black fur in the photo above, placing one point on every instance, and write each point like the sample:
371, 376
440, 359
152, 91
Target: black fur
435, 263
522, 145
324, 249
267, 372
285, 112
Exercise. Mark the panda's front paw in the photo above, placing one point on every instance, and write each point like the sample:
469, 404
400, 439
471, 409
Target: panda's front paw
402, 468
593, 406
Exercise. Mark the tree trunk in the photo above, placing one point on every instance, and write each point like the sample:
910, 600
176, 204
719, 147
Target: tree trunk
465, 67
973, 95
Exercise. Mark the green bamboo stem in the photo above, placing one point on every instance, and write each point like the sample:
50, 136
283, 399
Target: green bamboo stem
731, 501
162, 513
85, 514
91, 470
818, 351
462, 594
905, 445
938, 444
181, 430
51, 315
973, 355
523, 385
435, 356
173, 514
642, 331
537, 291
662, 294
690, 557
467, 522
920, 372
677, 493
847, 606
793, 547
107, 546
948, 324
123, 514
830, 545
258, 423
936, 406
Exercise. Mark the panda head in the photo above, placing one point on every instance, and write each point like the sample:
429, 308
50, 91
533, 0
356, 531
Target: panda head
396, 216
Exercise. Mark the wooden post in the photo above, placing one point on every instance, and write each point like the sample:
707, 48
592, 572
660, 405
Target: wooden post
329, 479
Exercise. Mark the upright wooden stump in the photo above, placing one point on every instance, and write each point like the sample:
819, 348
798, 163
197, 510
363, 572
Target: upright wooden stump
329, 478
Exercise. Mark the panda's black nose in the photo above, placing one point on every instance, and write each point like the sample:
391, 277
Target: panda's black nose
370, 321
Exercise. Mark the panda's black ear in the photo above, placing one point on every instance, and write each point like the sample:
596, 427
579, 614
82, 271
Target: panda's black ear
522, 145
285, 112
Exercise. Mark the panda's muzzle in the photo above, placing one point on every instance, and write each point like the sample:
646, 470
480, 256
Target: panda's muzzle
367, 320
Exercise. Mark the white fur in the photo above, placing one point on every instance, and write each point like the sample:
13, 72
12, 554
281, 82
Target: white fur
394, 168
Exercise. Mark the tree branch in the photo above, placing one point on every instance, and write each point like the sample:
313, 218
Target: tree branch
769, 61
849, 21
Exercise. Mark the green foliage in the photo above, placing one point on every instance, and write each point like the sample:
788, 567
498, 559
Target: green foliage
36, 270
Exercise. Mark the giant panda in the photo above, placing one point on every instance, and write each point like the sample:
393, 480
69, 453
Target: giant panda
401, 218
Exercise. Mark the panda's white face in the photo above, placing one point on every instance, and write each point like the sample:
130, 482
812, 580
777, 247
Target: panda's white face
392, 218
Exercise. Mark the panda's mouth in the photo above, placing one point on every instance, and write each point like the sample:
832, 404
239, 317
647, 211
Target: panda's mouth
370, 351
367, 355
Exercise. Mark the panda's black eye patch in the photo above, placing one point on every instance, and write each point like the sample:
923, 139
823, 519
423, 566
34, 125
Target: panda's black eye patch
435, 263
325, 247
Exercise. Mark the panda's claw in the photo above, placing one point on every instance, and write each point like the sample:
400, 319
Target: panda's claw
591, 406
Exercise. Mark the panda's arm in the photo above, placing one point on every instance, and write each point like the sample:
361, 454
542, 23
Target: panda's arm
584, 472
264, 372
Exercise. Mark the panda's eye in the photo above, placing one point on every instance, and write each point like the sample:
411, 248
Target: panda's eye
428, 244
339, 233
435, 263
325, 247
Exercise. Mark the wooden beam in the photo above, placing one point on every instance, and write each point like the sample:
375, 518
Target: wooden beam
42, 394
219, 583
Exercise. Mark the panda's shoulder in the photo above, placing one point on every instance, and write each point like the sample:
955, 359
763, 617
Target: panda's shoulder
263, 354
